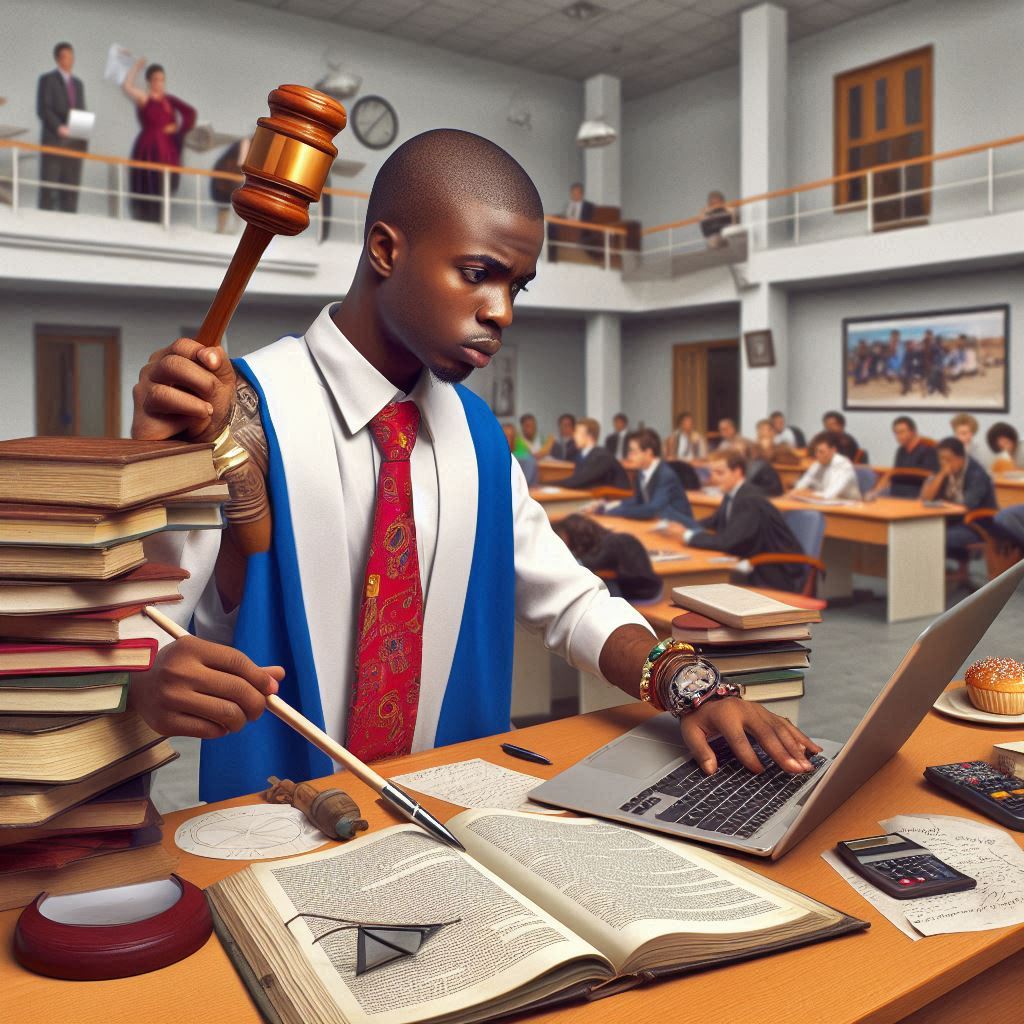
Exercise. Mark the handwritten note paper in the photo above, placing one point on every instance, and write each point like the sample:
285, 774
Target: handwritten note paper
476, 784
984, 852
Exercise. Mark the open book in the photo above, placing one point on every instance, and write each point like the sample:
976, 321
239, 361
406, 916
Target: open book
548, 910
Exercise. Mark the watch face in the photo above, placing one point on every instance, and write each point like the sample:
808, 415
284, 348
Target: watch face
691, 681
374, 122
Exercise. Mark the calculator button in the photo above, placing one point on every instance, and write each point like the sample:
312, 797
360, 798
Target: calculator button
999, 794
906, 881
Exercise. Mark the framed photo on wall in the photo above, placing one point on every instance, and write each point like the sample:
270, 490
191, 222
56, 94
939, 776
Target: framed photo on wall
503, 382
760, 348
951, 359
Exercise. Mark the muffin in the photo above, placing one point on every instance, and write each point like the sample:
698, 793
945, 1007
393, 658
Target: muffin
997, 685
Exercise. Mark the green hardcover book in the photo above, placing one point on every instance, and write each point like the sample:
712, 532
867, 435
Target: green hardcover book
88, 693
773, 685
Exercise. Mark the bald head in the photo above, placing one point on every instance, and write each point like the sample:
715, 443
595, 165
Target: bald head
432, 174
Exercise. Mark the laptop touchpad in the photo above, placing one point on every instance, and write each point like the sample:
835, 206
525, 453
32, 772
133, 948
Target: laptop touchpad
636, 758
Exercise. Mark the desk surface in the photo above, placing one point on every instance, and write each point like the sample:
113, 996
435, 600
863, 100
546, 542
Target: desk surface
548, 493
884, 510
872, 978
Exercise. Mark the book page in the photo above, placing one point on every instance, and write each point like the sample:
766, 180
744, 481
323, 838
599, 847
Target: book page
736, 600
500, 941
620, 887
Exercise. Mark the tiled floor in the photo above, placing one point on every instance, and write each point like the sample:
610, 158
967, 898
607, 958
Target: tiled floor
854, 650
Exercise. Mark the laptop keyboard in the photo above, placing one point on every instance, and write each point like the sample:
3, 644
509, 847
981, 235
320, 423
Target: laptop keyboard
733, 802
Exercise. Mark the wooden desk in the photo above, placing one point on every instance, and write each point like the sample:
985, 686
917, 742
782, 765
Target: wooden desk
549, 471
877, 977
895, 538
559, 502
1009, 489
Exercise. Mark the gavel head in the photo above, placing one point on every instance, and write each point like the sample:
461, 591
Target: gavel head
289, 159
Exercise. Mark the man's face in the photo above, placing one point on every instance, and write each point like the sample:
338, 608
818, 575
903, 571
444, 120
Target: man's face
766, 434
778, 422
66, 60
727, 429
529, 428
823, 453
964, 434
724, 478
566, 427
949, 461
619, 423
637, 457
831, 423
450, 292
582, 437
904, 435
576, 193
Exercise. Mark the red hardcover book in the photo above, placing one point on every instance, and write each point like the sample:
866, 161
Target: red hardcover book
102, 627
48, 659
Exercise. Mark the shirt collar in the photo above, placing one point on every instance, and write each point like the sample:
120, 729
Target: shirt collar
735, 490
360, 390
650, 470
584, 452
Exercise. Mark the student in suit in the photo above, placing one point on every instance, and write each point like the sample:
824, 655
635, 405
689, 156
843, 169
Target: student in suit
616, 442
366, 414
603, 550
760, 473
565, 447
57, 94
596, 466
746, 524
835, 423
913, 453
685, 443
657, 492
831, 474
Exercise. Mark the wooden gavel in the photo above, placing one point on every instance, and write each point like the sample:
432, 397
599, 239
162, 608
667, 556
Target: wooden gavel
287, 166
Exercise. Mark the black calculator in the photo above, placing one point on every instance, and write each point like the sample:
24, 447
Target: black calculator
901, 868
984, 788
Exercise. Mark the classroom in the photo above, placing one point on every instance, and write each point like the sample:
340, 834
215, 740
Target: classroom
511, 510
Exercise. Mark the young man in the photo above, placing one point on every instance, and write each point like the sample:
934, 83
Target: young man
835, 423
962, 481
785, 433
657, 492
913, 453
831, 475
527, 463
57, 94
616, 441
965, 429
380, 472
729, 436
565, 447
528, 431
596, 466
746, 524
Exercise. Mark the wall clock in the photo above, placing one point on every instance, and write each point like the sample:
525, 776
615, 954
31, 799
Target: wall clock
374, 122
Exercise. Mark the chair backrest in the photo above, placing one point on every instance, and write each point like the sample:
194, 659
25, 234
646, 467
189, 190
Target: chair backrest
866, 478
687, 475
808, 526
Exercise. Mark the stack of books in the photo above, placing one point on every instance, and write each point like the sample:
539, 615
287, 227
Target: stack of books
753, 640
75, 765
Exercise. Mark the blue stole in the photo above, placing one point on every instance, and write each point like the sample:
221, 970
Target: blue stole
271, 628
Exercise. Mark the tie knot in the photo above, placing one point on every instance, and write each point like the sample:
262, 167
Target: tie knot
394, 429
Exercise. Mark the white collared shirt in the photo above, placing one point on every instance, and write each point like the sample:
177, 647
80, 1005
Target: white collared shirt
645, 478
584, 452
786, 436
836, 480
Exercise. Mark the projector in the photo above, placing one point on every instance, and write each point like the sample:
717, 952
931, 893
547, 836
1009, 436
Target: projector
339, 84
595, 133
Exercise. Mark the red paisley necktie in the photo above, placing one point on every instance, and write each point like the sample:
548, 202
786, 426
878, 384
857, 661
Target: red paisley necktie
382, 713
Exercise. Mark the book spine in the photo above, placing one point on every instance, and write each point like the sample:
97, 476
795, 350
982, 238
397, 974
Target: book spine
1010, 762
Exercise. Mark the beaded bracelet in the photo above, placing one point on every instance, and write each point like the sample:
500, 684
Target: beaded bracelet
660, 648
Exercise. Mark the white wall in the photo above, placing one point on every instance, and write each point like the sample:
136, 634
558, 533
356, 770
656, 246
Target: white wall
647, 344
815, 348
224, 59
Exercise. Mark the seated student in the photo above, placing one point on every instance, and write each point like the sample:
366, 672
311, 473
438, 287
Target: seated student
1009, 524
526, 461
1004, 443
831, 474
564, 447
596, 466
685, 443
528, 432
600, 549
729, 436
786, 433
965, 427
760, 473
657, 493
963, 481
913, 453
835, 423
747, 524
768, 446
616, 442
715, 217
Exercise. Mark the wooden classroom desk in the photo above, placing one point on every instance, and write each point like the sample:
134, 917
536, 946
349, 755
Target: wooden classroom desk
876, 977
1009, 489
560, 501
896, 538
550, 471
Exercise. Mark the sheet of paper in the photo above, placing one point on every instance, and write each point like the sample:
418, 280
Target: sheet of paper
985, 852
119, 62
80, 124
667, 556
476, 784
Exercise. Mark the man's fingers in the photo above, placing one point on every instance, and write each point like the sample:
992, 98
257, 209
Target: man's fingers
163, 400
222, 711
793, 744
181, 372
773, 746
735, 736
697, 743
177, 724
227, 659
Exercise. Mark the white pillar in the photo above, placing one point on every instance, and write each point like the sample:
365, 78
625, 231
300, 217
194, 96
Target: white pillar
763, 168
604, 368
602, 165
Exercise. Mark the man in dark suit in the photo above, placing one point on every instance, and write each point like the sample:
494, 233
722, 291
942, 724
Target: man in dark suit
57, 94
616, 442
657, 493
596, 466
836, 423
747, 524
565, 448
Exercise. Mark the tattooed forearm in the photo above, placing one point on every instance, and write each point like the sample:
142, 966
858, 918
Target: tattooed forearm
247, 483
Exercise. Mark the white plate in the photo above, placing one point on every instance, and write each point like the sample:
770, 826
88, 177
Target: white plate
957, 704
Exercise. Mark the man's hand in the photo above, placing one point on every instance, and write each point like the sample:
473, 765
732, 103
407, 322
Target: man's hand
199, 688
733, 718
185, 388
62, 130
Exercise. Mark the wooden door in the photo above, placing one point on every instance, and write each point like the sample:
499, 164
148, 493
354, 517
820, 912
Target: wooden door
78, 391
883, 114
706, 382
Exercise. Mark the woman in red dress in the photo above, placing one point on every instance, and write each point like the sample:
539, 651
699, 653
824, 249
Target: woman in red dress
165, 121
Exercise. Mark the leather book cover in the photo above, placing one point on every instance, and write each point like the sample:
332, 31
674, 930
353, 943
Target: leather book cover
22, 660
117, 451
55, 852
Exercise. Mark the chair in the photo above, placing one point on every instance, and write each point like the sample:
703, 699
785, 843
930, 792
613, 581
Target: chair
866, 478
999, 551
808, 526
860, 457
687, 474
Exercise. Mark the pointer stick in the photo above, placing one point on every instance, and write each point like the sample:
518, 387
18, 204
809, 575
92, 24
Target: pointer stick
388, 791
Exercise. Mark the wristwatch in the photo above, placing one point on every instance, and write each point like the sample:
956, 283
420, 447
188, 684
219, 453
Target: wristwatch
692, 685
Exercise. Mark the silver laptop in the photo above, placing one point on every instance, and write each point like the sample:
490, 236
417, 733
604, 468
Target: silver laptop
647, 778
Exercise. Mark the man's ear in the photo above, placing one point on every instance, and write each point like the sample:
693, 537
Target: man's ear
383, 243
